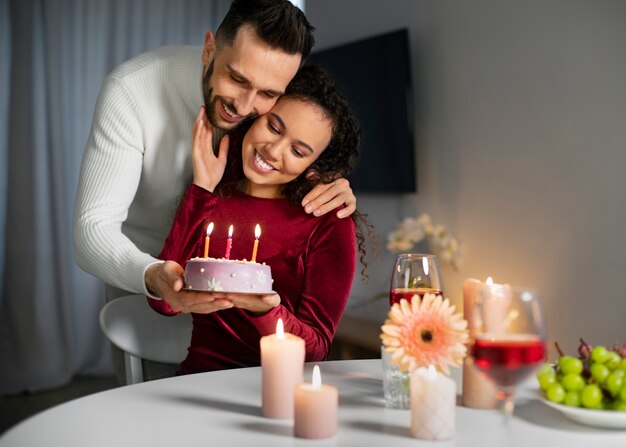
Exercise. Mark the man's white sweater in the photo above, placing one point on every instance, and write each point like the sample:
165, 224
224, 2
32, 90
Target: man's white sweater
137, 164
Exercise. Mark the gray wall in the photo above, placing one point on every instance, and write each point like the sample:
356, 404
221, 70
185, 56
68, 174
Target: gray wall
521, 146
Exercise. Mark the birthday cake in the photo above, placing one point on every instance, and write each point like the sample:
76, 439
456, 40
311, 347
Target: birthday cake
226, 275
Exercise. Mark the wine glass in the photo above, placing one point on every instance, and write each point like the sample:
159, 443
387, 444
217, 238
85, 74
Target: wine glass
508, 342
414, 274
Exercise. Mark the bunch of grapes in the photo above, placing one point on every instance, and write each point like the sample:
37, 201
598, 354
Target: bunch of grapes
595, 379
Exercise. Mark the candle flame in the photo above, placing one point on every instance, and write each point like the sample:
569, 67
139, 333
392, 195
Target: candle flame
209, 229
317, 377
425, 265
257, 231
280, 331
230, 231
432, 372
489, 281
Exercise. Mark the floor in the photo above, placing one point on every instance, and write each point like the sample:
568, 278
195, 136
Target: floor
14, 409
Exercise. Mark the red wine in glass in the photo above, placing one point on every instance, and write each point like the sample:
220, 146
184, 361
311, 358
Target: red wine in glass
407, 293
508, 361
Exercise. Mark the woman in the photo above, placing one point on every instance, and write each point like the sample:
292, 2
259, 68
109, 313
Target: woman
309, 136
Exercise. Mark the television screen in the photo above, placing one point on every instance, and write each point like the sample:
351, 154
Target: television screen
375, 75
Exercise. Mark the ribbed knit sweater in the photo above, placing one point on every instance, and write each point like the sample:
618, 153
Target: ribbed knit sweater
136, 164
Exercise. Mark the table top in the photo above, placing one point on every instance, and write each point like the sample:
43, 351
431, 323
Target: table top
224, 407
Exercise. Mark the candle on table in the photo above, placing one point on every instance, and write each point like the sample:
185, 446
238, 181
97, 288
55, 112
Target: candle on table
229, 242
478, 391
433, 404
315, 409
207, 239
282, 363
257, 235
496, 301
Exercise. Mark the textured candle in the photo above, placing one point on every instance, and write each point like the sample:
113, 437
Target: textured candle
433, 405
478, 391
282, 363
315, 409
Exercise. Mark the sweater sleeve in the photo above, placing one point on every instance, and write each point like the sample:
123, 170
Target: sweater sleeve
330, 266
110, 172
186, 233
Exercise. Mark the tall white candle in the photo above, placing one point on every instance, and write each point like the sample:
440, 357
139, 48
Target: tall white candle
478, 391
433, 405
315, 409
496, 305
282, 364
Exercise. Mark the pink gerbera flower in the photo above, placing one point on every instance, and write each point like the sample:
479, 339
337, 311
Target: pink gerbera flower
425, 332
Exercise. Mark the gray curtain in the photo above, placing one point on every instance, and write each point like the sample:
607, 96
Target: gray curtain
54, 56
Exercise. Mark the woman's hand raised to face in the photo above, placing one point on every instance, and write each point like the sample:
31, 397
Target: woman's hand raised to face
207, 168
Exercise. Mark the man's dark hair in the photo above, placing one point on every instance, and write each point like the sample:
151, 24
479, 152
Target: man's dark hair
278, 23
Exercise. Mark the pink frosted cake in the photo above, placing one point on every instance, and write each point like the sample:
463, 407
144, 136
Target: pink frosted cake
216, 275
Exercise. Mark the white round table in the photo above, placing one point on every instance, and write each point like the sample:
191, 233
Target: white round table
223, 408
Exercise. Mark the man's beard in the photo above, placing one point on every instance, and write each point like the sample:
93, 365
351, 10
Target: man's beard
210, 103
210, 106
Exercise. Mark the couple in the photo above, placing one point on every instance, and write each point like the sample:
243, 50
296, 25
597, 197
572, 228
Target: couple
308, 136
137, 162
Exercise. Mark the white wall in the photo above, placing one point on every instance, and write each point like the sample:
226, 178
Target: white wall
521, 145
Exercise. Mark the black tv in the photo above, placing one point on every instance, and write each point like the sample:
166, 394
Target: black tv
375, 75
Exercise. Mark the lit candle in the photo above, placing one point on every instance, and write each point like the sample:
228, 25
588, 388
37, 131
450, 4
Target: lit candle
315, 409
433, 404
496, 301
229, 242
282, 363
207, 239
478, 391
257, 235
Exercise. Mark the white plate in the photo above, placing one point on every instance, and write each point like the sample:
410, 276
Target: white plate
594, 418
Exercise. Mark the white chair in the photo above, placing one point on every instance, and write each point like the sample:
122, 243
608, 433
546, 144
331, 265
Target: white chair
131, 325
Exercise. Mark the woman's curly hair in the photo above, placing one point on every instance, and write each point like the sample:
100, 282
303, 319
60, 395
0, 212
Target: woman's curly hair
313, 84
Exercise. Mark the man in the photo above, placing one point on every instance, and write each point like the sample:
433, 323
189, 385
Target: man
137, 159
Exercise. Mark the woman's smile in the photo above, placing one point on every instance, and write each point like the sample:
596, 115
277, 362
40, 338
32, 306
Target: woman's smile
262, 164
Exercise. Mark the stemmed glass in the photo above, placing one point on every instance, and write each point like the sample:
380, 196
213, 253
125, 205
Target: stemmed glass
509, 341
414, 274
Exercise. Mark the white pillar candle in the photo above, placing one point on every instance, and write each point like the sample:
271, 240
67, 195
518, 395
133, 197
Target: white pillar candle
315, 409
282, 363
433, 405
478, 391
496, 305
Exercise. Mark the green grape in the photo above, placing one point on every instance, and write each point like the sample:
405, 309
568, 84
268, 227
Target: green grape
614, 382
599, 372
600, 354
571, 365
555, 393
545, 369
622, 364
572, 398
591, 396
622, 393
546, 379
619, 405
613, 360
573, 382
